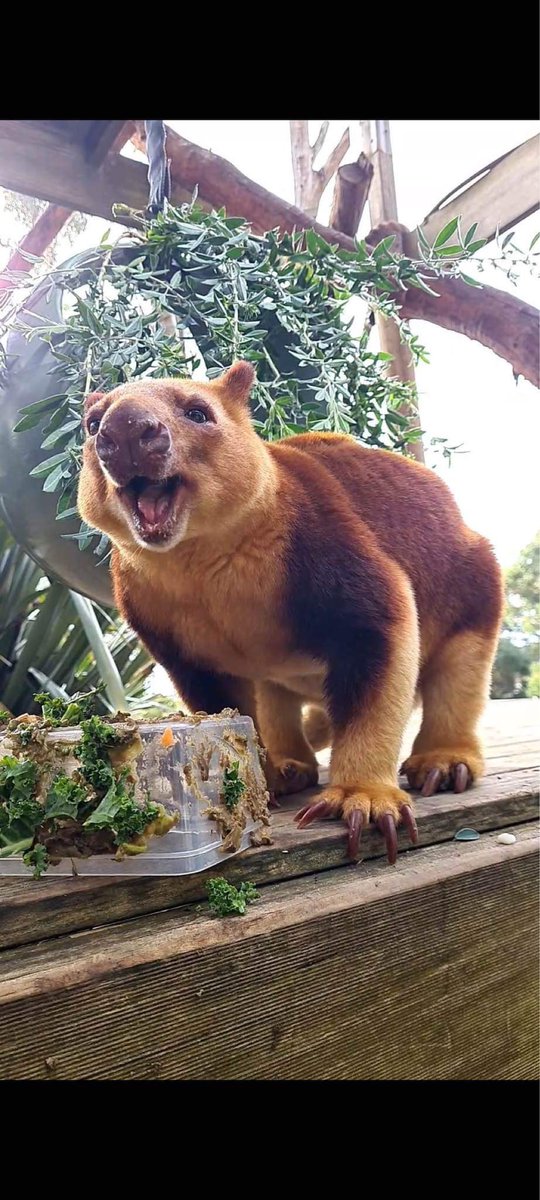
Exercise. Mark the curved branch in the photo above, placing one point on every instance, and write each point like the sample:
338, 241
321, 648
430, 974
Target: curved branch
496, 319
501, 322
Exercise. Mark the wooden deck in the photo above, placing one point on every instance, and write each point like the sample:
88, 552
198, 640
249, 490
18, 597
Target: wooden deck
425, 970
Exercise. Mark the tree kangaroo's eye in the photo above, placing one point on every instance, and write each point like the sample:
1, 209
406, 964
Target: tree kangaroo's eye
197, 414
93, 424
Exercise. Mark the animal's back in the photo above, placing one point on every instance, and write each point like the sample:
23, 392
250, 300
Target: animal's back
416, 521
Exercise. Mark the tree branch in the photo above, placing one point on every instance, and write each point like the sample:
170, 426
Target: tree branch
334, 159
496, 319
36, 241
320, 139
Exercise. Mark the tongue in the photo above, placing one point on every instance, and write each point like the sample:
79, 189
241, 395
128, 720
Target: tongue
154, 504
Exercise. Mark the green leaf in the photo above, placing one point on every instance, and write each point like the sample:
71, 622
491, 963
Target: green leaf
450, 251
54, 478
470, 234
44, 467
534, 240
28, 422
468, 279
507, 239
446, 233
66, 429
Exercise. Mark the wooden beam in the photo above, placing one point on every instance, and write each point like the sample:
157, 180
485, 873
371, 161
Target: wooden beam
350, 194
40, 162
348, 974
106, 137
46, 228
500, 195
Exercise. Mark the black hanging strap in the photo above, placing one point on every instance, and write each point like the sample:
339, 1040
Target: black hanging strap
159, 167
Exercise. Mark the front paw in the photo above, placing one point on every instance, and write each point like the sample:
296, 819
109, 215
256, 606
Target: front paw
382, 803
287, 775
443, 769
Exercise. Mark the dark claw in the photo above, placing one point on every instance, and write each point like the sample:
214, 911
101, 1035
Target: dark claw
272, 801
288, 771
302, 812
355, 823
432, 782
461, 777
388, 829
410, 823
314, 812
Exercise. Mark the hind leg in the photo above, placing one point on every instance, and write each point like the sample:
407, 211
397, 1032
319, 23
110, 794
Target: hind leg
291, 765
455, 688
317, 727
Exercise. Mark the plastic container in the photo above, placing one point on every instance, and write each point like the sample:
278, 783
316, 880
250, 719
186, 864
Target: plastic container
186, 778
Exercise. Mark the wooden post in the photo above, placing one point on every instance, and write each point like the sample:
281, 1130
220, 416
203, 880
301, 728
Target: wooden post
382, 208
350, 194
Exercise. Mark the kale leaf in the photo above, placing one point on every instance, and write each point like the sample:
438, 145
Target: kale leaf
226, 900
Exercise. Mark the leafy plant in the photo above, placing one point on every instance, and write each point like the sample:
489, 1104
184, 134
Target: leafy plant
44, 644
197, 290
225, 900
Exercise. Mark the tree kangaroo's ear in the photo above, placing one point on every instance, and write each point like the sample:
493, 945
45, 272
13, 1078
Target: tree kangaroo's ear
237, 382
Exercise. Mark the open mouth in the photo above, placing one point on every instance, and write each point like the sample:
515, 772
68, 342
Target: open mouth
153, 506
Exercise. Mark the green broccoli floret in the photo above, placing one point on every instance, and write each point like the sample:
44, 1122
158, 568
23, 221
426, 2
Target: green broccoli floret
233, 786
38, 859
225, 900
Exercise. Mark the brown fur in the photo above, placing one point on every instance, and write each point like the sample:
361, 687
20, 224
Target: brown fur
311, 570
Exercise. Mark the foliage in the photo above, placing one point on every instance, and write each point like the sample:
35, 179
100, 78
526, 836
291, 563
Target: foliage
195, 290
522, 613
515, 672
510, 671
43, 643
533, 682
225, 900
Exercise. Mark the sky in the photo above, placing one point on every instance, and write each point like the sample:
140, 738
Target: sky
467, 394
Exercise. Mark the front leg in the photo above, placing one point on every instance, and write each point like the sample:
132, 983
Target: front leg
372, 653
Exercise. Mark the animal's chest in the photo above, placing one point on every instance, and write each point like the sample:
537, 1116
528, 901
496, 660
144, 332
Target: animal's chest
222, 617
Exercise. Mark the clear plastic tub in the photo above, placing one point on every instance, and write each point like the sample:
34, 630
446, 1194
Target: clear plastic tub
187, 779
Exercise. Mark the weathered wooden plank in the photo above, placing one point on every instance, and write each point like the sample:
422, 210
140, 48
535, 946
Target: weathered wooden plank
41, 162
30, 910
425, 972
499, 196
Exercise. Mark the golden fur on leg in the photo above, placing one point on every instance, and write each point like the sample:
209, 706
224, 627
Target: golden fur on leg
291, 765
455, 689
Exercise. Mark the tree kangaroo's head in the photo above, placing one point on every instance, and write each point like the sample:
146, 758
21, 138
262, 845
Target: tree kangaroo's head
168, 459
